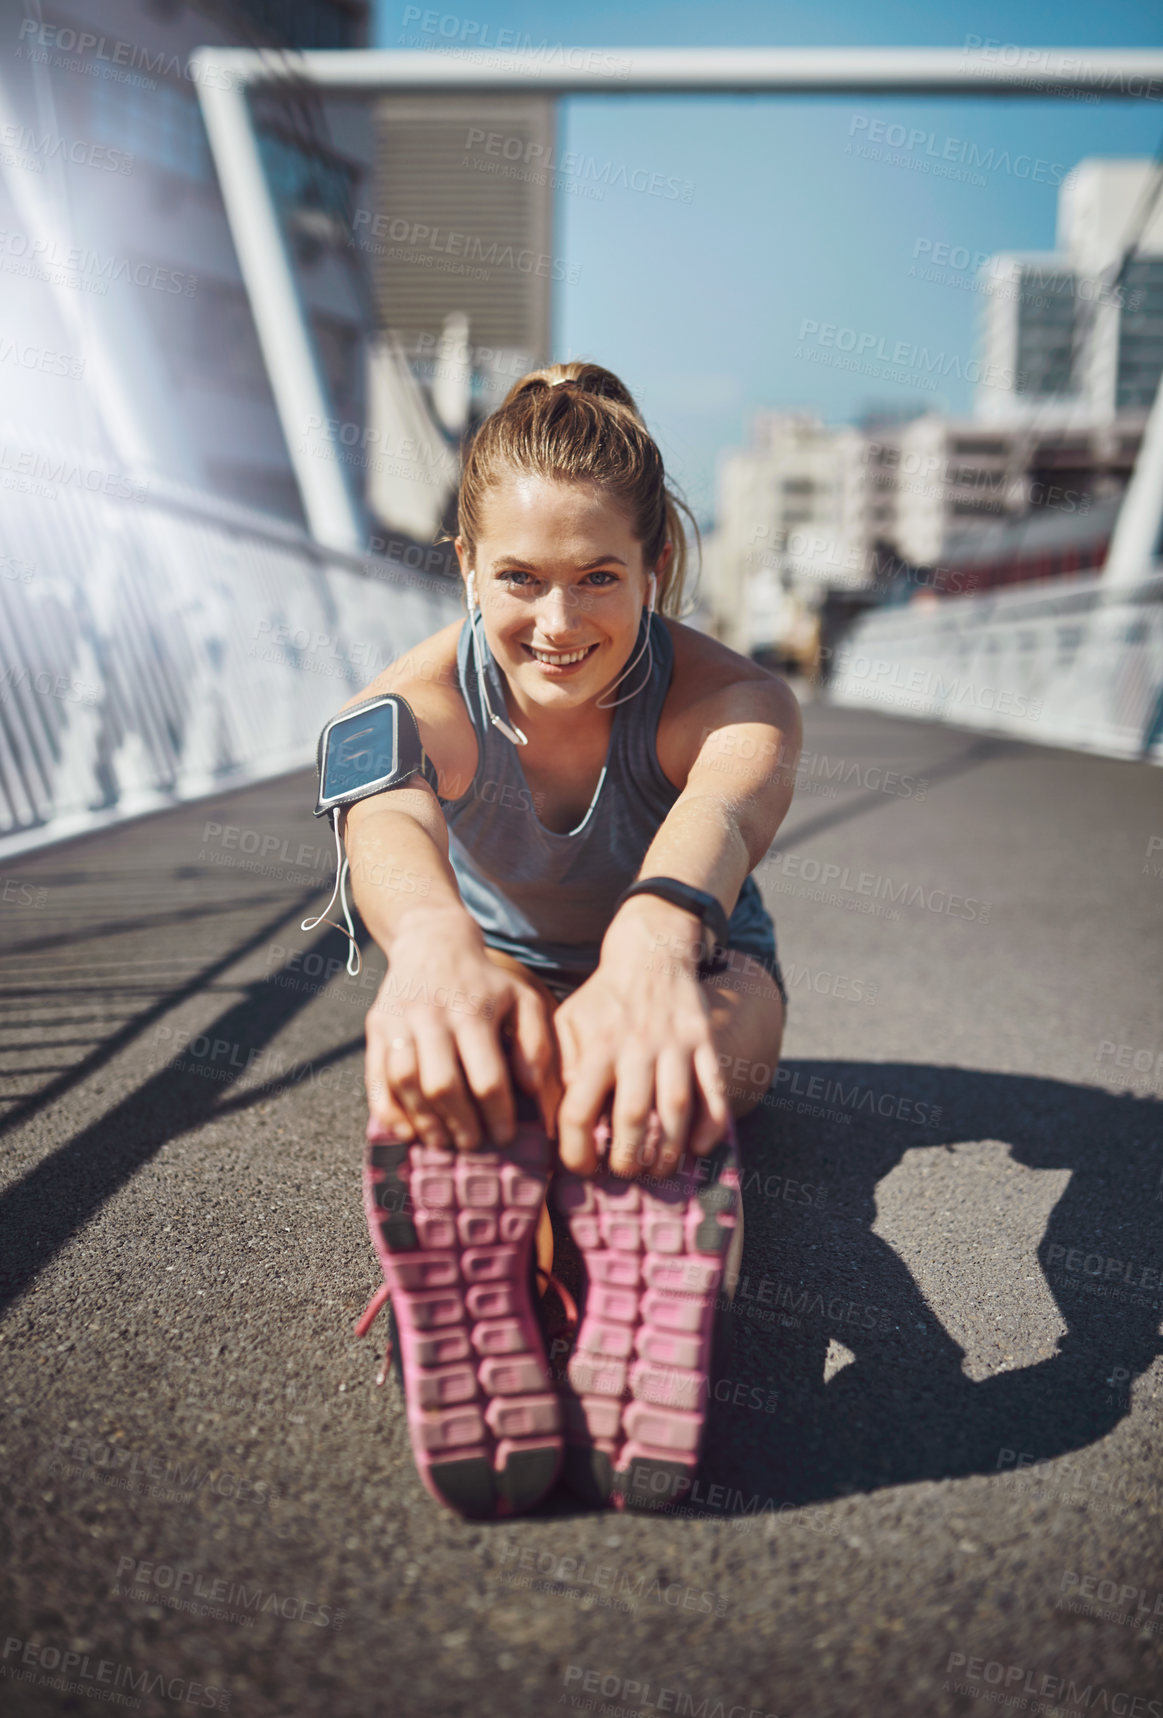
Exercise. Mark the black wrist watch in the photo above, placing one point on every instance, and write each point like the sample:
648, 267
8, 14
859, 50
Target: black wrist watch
704, 906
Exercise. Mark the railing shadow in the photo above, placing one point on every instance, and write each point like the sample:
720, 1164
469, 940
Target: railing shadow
903, 1410
43, 1210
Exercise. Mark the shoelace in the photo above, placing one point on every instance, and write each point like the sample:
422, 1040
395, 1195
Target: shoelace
371, 1312
383, 1295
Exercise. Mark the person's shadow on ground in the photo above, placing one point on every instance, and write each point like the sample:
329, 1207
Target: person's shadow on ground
903, 1409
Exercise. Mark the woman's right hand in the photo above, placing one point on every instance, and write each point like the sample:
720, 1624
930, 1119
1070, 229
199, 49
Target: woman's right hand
437, 1033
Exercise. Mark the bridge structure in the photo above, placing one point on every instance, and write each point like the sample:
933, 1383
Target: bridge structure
122, 689
931, 1473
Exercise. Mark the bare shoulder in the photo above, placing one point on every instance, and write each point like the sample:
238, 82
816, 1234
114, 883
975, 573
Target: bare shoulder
713, 687
428, 678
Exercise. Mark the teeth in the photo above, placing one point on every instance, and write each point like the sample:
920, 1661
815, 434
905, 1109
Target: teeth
559, 658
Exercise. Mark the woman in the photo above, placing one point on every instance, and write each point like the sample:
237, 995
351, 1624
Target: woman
582, 738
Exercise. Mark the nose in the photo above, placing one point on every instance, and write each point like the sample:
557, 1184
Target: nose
558, 613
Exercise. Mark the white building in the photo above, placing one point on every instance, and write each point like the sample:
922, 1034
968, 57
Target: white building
797, 510
1030, 330
1061, 341
949, 473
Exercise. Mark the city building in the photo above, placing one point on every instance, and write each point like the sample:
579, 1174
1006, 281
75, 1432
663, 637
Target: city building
1074, 333
954, 477
1030, 333
812, 521
461, 241
118, 246
798, 512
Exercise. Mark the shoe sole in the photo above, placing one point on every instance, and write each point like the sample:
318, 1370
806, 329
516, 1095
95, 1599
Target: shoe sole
454, 1233
636, 1387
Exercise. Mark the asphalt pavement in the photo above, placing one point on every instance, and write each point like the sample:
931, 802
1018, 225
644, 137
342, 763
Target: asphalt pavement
932, 1482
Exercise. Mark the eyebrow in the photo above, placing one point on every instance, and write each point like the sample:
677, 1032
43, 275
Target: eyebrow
529, 567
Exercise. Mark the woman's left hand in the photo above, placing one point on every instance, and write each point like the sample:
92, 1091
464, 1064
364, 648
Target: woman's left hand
640, 1024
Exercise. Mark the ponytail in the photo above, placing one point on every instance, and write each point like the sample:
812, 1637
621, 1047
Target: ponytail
578, 423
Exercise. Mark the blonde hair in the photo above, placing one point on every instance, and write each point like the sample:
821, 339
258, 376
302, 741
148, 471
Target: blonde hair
577, 423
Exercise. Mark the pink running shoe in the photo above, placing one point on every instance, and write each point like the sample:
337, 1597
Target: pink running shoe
454, 1233
655, 1252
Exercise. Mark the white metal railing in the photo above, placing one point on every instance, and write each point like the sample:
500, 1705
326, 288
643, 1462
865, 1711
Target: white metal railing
1072, 662
157, 644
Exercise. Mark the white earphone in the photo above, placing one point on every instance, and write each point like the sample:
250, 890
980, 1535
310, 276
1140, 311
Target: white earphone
648, 647
474, 608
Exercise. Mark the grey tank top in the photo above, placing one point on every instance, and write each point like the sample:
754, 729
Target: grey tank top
548, 898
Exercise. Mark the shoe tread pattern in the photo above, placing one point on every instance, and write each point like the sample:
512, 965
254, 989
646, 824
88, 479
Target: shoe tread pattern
637, 1383
454, 1233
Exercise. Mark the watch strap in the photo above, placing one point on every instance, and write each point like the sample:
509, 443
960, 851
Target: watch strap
705, 906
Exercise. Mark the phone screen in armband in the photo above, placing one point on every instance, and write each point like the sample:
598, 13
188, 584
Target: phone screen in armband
361, 751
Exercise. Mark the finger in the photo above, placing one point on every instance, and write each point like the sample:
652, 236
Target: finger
383, 1108
535, 1060
403, 1069
715, 1115
387, 1119
675, 1104
488, 1079
633, 1102
580, 1108
568, 1047
442, 1086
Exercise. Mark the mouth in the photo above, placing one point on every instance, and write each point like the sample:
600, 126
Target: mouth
559, 659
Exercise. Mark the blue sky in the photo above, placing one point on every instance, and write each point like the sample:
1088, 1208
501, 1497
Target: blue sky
698, 299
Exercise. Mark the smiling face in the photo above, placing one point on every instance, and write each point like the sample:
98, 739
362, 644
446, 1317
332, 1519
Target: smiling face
561, 583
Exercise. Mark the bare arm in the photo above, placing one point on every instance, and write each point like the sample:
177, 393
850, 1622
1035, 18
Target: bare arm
433, 1032
641, 1024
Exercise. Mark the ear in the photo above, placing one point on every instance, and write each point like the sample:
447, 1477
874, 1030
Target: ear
465, 561
662, 569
